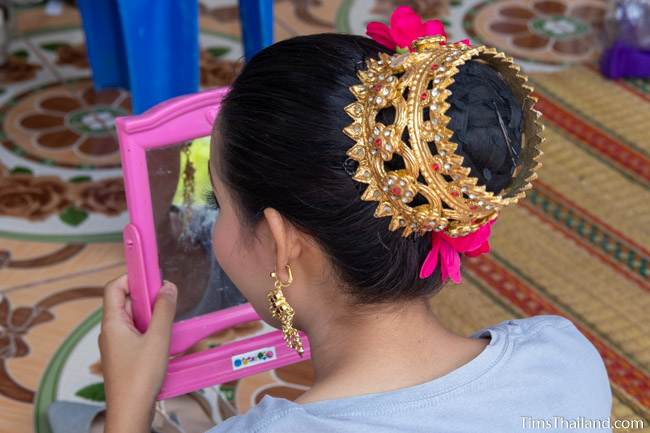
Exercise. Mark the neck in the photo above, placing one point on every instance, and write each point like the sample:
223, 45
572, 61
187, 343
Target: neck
381, 349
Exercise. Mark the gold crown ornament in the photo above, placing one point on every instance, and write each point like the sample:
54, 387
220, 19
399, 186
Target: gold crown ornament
454, 202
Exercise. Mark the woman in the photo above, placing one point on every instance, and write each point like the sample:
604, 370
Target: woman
289, 199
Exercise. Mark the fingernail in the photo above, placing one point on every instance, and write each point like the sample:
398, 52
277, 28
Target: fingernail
169, 289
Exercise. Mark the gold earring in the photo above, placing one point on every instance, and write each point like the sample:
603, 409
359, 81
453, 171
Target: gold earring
188, 186
283, 312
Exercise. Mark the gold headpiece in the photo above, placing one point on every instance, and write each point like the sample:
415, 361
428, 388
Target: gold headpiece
467, 205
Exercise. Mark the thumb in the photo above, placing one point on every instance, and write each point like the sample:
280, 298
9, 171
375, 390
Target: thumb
163, 312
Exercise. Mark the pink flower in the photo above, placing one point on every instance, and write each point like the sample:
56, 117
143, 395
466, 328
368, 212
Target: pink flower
446, 251
405, 27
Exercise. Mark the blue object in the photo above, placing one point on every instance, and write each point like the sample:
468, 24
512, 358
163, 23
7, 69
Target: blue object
256, 18
104, 43
153, 50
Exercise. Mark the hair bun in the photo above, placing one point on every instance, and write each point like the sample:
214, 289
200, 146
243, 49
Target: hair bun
479, 96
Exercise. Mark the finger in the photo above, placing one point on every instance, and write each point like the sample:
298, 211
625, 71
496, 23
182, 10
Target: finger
128, 308
163, 312
115, 295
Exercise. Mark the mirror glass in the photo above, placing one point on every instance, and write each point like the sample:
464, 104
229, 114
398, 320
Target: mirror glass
184, 215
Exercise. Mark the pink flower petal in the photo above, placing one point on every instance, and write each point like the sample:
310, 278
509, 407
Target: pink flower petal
405, 26
434, 27
404, 15
430, 262
449, 263
380, 33
484, 248
444, 276
464, 41
472, 240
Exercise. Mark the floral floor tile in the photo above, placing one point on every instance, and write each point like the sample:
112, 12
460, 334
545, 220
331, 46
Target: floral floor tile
34, 322
25, 264
65, 52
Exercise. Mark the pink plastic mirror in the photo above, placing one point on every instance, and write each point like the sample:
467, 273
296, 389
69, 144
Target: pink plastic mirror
164, 157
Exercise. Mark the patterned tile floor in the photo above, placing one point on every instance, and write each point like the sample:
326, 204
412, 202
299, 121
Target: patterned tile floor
577, 246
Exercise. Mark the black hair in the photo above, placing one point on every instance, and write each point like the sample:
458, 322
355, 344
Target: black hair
283, 147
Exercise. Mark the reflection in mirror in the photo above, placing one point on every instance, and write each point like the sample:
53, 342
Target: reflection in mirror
183, 219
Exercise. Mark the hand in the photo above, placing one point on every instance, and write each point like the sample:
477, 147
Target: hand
133, 363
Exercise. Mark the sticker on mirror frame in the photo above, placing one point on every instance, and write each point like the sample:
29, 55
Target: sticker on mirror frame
254, 357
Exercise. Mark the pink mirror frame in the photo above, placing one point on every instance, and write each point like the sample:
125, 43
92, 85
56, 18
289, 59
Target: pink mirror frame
174, 121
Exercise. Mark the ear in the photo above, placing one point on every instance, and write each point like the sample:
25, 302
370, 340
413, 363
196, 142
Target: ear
286, 239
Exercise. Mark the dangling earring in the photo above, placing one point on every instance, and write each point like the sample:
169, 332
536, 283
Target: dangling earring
188, 186
283, 312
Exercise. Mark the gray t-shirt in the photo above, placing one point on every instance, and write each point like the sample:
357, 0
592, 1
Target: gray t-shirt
537, 374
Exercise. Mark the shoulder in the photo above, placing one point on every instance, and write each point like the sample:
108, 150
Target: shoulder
534, 323
553, 334
551, 351
270, 415
556, 340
